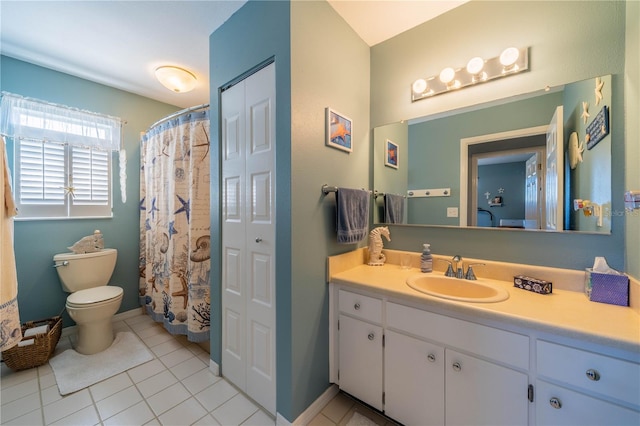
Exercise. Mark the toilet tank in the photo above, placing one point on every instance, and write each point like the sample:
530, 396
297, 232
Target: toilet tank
85, 270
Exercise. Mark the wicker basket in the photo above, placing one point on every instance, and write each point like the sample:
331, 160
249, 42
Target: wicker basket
22, 357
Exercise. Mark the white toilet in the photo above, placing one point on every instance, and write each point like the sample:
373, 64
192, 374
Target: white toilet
92, 303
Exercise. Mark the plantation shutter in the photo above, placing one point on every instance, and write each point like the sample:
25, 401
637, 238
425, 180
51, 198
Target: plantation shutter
40, 179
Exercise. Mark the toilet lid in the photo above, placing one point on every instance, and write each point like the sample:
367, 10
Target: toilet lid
94, 295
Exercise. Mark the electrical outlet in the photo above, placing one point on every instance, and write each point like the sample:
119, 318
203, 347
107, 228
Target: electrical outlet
452, 212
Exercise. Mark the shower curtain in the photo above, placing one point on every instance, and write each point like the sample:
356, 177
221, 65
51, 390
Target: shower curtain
174, 224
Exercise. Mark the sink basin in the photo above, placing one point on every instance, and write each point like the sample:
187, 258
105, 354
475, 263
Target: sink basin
478, 291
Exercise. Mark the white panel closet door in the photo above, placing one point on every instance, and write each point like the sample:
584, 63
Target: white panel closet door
248, 236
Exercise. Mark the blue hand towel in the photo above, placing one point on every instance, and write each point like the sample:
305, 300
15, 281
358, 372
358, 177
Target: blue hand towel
393, 208
352, 207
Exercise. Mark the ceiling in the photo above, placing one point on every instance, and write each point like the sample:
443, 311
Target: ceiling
121, 43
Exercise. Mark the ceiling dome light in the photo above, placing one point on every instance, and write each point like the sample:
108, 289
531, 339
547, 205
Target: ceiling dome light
176, 79
475, 65
419, 86
447, 75
509, 56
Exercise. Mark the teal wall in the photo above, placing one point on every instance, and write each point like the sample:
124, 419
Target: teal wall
39, 292
320, 63
329, 68
561, 51
590, 179
511, 178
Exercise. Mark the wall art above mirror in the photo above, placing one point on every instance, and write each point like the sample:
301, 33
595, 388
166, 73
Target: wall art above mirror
505, 164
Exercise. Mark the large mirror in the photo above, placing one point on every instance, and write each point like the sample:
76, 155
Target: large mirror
538, 162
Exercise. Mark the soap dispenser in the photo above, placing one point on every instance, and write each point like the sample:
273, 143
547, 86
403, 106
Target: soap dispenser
426, 260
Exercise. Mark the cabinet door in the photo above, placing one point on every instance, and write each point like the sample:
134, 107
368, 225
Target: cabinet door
556, 405
478, 392
414, 380
360, 356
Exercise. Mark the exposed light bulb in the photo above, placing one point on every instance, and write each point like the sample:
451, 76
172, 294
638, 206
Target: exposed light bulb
475, 65
419, 86
447, 75
509, 56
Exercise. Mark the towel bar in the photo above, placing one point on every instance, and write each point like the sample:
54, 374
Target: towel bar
327, 189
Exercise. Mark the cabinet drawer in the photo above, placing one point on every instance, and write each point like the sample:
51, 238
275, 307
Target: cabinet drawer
499, 345
360, 306
590, 371
556, 405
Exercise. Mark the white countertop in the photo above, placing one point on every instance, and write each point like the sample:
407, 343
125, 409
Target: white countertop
563, 312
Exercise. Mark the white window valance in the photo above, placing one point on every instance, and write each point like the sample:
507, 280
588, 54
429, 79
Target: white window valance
26, 118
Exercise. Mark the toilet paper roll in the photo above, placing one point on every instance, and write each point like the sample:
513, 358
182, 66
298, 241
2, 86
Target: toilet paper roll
43, 329
26, 342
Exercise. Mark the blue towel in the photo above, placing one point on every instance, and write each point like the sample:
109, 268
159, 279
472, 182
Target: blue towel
352, 207
393, 208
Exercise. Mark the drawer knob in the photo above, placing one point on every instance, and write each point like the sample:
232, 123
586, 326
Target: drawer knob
456, 366
356, 306
371, 336
555, 403
593, 374
431, 358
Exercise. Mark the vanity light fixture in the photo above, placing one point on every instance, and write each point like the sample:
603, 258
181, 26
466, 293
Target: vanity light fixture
511, 61
176, 79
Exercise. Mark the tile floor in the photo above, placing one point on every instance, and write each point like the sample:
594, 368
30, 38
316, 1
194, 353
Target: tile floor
31, 397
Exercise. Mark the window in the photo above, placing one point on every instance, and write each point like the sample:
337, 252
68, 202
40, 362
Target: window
62, 164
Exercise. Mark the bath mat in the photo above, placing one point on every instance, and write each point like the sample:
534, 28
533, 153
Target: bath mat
75, 371
359, 420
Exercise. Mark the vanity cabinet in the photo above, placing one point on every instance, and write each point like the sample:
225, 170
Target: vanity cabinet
422, 368
360, 347
479, 392
414, 380
578, 387
470, 375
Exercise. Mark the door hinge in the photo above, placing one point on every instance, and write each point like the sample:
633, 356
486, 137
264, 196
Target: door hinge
530, 393
338, 324
338, 374
383, 340
383, 398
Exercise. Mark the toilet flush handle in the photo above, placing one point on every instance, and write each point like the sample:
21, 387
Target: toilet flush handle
64, 263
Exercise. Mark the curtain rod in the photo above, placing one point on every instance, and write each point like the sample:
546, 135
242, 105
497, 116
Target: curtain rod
178, 114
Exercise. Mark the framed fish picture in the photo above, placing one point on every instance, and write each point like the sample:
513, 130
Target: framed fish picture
391, 154
338, 132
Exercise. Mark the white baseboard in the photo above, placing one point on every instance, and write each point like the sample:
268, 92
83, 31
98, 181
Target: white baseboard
312, 411
214, 368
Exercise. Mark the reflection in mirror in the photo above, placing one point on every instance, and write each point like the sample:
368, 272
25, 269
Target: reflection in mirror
461, 151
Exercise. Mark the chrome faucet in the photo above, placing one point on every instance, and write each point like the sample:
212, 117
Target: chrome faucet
458, 266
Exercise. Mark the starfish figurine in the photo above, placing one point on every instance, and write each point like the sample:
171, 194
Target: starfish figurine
500, 190
585, 111
598, 91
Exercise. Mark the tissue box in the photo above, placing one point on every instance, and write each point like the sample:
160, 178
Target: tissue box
607, 288
532, 284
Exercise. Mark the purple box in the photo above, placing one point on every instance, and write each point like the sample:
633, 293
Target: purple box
607, 288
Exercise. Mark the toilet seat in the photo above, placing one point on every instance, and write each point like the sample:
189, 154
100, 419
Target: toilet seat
94, 296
